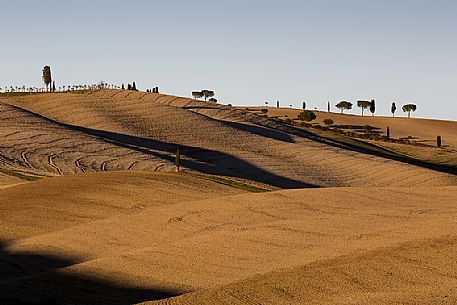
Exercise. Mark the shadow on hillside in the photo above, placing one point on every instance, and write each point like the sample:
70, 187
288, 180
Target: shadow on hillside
203, 160
359, 128
254, 129
369, 149
261, 131
31, 278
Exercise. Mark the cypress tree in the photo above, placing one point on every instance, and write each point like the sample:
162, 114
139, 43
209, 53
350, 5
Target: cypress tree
178, 160
388, 133
438, 141
372, 107
134, 86
47, 78
393, 108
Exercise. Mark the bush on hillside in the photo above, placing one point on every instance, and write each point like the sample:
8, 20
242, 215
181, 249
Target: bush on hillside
307, 116
328, 122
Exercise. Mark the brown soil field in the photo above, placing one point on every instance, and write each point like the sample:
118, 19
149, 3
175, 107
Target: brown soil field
115, 130
128, 237
91, 211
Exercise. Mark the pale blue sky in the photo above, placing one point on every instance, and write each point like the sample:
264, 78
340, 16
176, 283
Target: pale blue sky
247, 51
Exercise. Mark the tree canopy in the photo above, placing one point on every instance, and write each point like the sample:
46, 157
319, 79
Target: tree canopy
344, 105
364, 105
207, 93
408, 108
197, 94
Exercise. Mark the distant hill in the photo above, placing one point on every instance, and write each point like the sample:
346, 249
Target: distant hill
421, 130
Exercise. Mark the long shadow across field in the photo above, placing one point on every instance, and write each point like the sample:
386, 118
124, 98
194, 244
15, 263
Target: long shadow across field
254, 129
203, 160
261, 131
28, 278
367, 148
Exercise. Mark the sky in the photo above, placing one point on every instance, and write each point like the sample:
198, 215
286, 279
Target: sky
248, 52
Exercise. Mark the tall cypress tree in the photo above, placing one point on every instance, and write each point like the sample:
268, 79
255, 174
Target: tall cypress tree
47, 78
372, 107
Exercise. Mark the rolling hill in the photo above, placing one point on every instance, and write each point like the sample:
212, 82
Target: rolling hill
113, 130
128, 237
92, 211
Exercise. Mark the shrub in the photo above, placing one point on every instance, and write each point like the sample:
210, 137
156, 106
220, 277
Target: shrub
328, 122
264, 110
307, 115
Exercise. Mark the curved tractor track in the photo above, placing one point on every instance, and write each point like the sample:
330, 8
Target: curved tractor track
31, 142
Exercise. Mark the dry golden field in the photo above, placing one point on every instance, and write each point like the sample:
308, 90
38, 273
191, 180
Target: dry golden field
92, 212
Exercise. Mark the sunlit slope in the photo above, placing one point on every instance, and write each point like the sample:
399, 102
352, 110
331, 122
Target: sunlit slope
218, 139
419, 272
61, 202
182, 234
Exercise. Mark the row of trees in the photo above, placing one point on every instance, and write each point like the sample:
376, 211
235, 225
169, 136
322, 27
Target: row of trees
54, 88
50, 85
363, 105
367, 104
